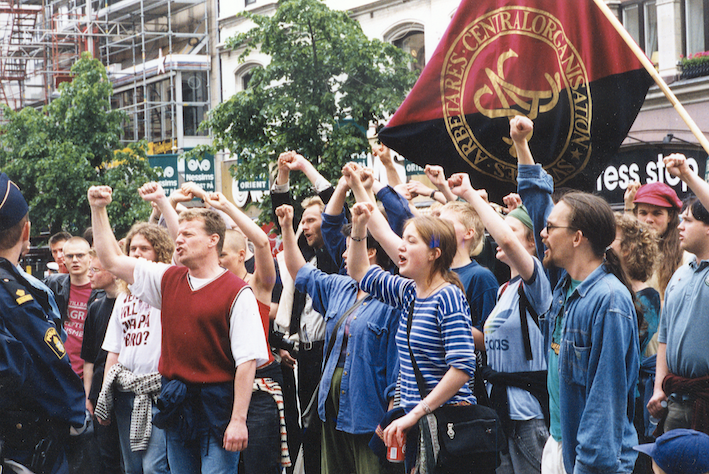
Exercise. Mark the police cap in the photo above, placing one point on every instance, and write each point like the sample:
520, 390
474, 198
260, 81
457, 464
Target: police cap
13, 206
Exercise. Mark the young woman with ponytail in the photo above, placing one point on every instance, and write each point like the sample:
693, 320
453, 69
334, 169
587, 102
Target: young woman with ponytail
440, 333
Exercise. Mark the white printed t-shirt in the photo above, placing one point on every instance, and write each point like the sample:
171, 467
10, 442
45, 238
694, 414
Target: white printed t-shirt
134, 332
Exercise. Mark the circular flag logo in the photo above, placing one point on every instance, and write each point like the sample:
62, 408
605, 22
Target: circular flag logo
513, 61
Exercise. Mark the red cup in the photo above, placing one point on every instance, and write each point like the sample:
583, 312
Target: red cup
396, 453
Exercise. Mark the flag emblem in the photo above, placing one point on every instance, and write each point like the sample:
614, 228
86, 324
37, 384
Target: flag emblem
562, 64
484, 62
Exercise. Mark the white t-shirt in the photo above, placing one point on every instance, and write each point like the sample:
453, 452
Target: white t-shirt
134, 333
248, 341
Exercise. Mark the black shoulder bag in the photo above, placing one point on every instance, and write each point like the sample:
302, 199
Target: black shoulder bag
464, 431
310, 414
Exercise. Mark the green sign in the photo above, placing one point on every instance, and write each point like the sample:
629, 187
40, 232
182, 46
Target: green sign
178, 171
412, 169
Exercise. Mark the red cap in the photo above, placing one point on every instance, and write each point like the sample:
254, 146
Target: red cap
657, 194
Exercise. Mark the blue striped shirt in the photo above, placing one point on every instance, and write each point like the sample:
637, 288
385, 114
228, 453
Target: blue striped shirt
441, 333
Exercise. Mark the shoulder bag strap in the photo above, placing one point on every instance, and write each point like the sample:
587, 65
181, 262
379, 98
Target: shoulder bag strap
420, 381
524, 307
331, 343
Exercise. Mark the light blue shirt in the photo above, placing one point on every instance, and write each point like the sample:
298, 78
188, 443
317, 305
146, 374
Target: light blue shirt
684, 325
503, 339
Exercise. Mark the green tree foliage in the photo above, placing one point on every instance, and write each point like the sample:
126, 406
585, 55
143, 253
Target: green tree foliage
325, 84
55, 154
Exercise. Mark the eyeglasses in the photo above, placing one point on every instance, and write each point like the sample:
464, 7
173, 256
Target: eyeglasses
71, 256
549, 227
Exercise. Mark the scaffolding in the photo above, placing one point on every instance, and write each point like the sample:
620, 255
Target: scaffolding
144, 44
17, 49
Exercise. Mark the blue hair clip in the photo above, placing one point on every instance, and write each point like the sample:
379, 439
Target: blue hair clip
435, 242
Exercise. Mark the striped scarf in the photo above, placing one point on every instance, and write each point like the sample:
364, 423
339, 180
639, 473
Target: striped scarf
271, 387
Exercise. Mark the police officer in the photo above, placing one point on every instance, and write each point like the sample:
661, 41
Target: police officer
41, 398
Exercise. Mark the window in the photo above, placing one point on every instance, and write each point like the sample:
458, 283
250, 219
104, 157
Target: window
640, 19
245, 79
194, 86
194, 98
413, 44
243, 75
696, 33
192, 116
249, 2
409, 36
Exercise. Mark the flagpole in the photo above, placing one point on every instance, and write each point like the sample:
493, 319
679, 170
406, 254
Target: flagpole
653, 73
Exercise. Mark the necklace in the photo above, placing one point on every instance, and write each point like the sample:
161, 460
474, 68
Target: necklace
434, 290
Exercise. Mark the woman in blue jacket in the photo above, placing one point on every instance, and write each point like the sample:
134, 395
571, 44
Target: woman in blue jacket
359, 376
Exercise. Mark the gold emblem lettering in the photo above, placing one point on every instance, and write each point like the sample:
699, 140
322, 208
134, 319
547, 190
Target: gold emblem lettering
54, 342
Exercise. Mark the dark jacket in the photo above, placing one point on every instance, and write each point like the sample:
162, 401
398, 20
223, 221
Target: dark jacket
324, 261
60, 284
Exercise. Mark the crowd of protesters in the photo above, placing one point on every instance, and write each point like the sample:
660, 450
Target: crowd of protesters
583, 328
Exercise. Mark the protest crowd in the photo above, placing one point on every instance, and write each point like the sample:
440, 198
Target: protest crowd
545, 334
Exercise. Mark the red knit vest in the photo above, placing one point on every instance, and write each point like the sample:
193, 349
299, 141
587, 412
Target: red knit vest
264, 312
195, 327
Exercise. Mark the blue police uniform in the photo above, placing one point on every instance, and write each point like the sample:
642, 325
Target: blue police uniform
40, 395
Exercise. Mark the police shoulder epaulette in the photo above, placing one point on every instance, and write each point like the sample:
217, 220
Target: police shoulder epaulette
18, 292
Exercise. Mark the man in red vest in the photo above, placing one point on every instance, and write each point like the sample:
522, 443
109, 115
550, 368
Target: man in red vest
212, 339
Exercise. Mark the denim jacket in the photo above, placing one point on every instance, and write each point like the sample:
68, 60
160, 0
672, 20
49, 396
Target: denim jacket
372, 361
598, 369
599, 355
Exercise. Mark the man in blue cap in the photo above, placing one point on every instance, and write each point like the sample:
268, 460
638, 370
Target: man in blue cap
41, 398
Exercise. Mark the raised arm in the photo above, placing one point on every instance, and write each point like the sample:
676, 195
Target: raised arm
334, 217
383, 152
294, 259
297, 162
521, 129
676, 164
155, 194
178, 196
520, 259
264, 269
335, 206
110, 254
437, 177
417, 188
629, 196
534, 186
377, 224
193, 189
357, 258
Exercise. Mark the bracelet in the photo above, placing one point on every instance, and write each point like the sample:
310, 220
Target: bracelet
433, 193
358, 239
426, 408
630, 210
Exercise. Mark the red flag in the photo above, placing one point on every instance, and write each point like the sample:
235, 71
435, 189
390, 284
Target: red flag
561, 63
